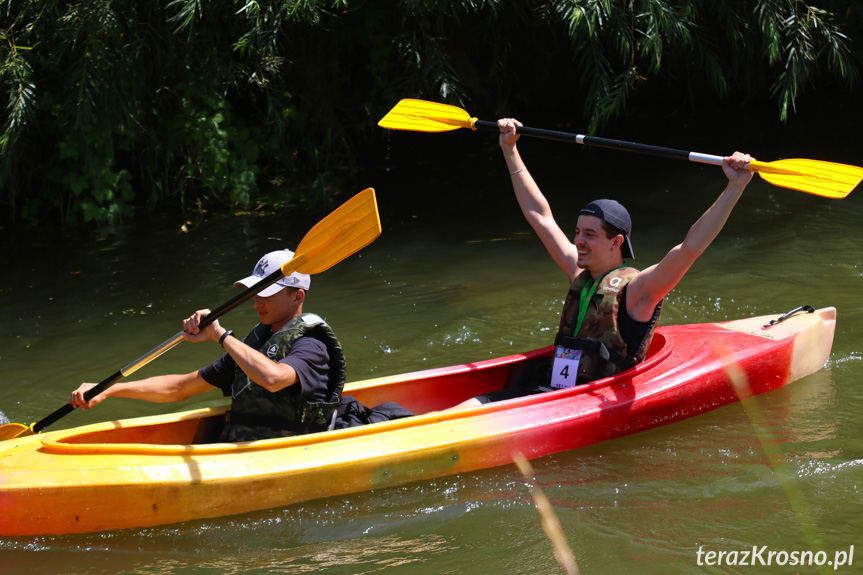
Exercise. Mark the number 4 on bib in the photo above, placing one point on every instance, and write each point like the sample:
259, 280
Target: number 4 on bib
564, 370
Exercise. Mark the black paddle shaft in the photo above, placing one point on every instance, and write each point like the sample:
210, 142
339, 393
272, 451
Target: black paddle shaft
157, 351
590, 141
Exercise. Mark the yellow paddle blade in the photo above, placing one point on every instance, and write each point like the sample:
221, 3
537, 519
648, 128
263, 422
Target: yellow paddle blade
351, 227
423, 116
13, 430
825, 179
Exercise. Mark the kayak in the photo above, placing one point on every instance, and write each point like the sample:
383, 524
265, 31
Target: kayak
158, 470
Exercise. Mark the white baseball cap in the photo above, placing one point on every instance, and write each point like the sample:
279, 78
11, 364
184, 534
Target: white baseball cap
269, 264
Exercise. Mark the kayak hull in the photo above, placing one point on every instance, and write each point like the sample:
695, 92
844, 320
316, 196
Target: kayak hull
150, 471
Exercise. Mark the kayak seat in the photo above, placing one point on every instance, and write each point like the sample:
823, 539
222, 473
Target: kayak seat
531, 371
209, 429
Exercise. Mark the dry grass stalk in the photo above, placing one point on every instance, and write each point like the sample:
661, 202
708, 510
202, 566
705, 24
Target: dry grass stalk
550, 523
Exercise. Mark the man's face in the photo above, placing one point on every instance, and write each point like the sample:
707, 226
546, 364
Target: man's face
594, 248
279, 308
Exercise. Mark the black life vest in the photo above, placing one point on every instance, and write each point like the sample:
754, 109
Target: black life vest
257, 413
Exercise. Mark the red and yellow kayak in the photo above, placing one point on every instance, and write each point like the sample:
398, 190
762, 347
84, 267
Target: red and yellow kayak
150, 470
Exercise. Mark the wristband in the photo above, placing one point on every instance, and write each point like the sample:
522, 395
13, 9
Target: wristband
224, 335
517, 171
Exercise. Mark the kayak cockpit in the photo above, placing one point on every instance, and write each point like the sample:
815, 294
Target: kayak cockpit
176, 430
425, 393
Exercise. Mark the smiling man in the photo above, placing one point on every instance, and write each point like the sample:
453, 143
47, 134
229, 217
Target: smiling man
285, 377
611, 310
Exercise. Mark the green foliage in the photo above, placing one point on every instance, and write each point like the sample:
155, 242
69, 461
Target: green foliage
98, 191
624, 45
117, 105
799, 36
220, 157
15, 73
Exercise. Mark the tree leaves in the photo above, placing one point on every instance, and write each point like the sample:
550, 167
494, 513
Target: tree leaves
115, 104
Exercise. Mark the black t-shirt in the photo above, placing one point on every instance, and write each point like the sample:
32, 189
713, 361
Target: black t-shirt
308, 357
631, 331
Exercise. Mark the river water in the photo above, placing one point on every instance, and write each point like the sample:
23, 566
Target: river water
457, 276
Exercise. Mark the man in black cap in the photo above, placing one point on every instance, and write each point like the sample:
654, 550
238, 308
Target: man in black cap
611, 310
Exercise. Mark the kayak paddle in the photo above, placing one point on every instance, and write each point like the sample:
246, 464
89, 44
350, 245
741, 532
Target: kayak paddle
348, 229
825, 179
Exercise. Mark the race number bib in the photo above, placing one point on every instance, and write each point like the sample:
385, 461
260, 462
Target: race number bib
564, 370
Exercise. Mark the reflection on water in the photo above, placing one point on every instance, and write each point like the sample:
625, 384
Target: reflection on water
457, 277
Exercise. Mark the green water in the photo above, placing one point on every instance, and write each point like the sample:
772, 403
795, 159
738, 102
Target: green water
457, 276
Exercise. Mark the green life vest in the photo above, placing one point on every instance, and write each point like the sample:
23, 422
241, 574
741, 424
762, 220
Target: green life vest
257, 413
603, 350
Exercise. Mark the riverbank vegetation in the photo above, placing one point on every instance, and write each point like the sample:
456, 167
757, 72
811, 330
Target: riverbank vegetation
118, 106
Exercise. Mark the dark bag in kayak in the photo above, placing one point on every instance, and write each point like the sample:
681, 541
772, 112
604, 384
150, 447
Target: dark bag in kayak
352, 413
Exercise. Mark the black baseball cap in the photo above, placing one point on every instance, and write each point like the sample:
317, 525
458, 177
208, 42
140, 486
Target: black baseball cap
615, 214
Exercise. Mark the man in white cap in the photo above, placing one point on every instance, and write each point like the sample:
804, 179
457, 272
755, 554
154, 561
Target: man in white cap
611, 311
285, 377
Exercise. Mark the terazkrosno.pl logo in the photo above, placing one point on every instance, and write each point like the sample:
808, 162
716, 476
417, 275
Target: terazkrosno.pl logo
762, 556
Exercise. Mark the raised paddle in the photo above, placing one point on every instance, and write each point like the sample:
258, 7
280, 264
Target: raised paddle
825, 179
351, 227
